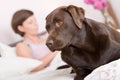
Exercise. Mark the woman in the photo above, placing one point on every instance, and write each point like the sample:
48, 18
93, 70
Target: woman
24, 23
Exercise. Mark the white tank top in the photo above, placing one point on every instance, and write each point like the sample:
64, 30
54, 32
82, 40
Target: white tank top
38, 50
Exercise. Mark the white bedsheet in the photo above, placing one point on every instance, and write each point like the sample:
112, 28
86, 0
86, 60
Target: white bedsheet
49, 73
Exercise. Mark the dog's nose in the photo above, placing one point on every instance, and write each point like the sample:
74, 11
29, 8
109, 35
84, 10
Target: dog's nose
49, 43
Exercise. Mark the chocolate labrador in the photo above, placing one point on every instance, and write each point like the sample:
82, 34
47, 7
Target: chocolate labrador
85, 44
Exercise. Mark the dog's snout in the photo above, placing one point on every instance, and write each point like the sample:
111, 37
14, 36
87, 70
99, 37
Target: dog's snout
49, 43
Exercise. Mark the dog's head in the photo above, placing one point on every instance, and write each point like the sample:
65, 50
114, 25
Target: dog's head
62, 24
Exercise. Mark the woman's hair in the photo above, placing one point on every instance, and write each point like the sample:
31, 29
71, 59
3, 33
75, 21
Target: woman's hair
18, 18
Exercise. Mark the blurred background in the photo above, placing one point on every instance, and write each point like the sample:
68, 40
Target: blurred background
42, 8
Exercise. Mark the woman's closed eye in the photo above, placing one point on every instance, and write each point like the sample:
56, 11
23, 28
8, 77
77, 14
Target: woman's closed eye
30, 22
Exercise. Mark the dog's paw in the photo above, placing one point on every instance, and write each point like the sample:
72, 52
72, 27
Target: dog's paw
63, 67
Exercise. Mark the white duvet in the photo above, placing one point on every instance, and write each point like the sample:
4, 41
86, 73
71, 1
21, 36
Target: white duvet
110, 71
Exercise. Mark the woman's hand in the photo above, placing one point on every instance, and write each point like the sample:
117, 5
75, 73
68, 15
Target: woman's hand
46, 61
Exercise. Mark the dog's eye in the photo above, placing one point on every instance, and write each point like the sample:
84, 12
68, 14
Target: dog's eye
59, 23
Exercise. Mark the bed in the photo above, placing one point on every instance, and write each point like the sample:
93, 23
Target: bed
13, 67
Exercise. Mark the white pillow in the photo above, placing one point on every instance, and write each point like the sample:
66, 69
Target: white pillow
15, 66
7, 51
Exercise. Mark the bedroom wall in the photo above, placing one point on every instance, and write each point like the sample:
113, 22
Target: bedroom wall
41, 8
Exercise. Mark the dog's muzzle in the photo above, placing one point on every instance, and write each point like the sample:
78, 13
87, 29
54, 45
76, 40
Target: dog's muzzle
49, 44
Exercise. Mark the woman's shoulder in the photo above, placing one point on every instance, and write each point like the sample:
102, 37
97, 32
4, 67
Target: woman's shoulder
21, 45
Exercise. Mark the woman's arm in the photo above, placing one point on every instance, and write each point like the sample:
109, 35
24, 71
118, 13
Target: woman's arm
23, 50
46, 60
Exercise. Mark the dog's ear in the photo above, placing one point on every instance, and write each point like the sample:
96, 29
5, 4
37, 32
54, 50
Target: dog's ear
77, 14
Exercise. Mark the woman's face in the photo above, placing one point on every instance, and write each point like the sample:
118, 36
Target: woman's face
30, 26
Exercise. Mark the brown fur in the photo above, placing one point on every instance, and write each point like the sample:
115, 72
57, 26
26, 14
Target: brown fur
85, 44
